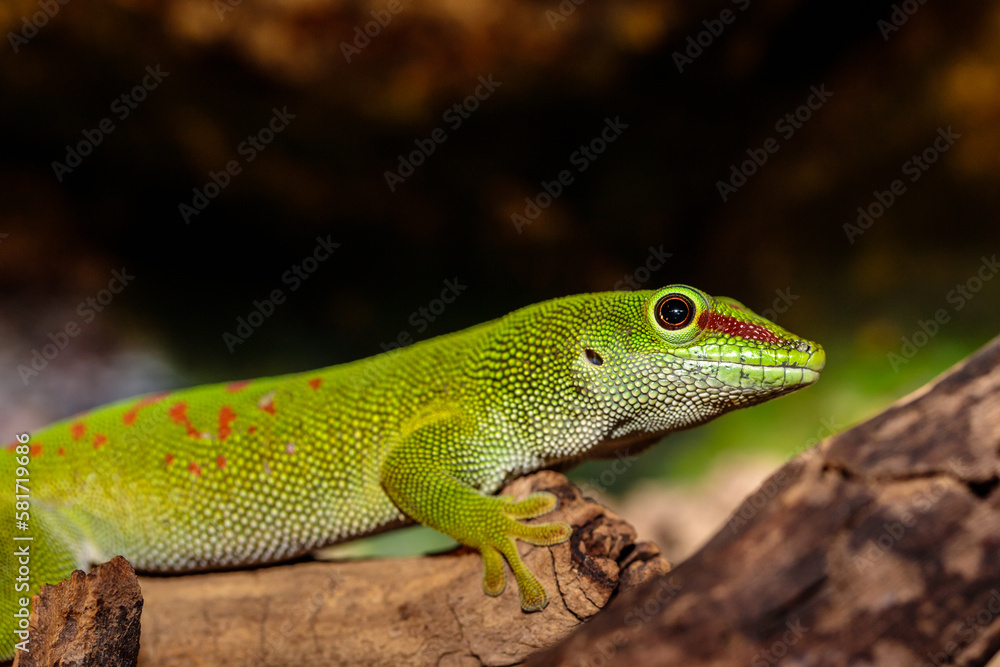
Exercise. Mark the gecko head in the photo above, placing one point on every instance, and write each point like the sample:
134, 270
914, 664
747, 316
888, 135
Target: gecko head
676, 357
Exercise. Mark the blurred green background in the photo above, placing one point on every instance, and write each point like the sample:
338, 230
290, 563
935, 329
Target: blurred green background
702, 87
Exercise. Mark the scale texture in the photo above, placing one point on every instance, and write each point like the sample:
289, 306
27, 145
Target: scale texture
258, 471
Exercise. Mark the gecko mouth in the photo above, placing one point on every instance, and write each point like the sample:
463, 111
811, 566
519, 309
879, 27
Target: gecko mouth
815, 364
817, 360
780, 376
810, 370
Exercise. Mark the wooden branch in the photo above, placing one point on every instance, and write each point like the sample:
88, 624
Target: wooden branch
412, 611
88, 620
406, 611
879, 547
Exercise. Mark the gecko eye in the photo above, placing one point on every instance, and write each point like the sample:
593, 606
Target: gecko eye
674, 311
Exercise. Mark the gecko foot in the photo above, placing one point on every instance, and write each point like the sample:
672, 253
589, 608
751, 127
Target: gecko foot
500, 546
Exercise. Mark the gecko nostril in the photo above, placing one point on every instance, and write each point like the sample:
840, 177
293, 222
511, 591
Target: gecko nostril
593, 357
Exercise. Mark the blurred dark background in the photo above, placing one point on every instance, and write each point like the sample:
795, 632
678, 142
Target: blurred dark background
899, 75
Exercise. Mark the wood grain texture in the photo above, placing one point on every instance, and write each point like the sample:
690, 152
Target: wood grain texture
405, 611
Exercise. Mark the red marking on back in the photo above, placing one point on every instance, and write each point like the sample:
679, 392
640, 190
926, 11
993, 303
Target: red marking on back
252, 429
35, 451
179, 413
60, 452
129, 417
239, 385
315, 383
266, 403
226, 417
220, 462
745, 330
77, 430
169, 459
99, 439
194, 468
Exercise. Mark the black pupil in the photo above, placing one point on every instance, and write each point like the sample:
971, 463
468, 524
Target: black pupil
675, 311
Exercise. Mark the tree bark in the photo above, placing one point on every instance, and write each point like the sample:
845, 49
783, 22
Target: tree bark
881, 546
405, 611
88, 620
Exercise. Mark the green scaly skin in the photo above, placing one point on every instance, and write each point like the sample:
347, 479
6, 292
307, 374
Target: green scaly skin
254, 472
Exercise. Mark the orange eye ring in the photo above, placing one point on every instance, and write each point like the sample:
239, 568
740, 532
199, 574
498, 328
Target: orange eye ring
674, 311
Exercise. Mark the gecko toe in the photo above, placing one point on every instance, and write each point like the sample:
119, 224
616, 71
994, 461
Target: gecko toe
494, 572
534, 505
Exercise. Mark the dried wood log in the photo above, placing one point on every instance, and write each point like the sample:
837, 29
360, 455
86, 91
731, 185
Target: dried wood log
406, 611
879, 547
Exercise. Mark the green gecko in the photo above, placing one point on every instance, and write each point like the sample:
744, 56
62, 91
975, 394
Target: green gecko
258, 471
